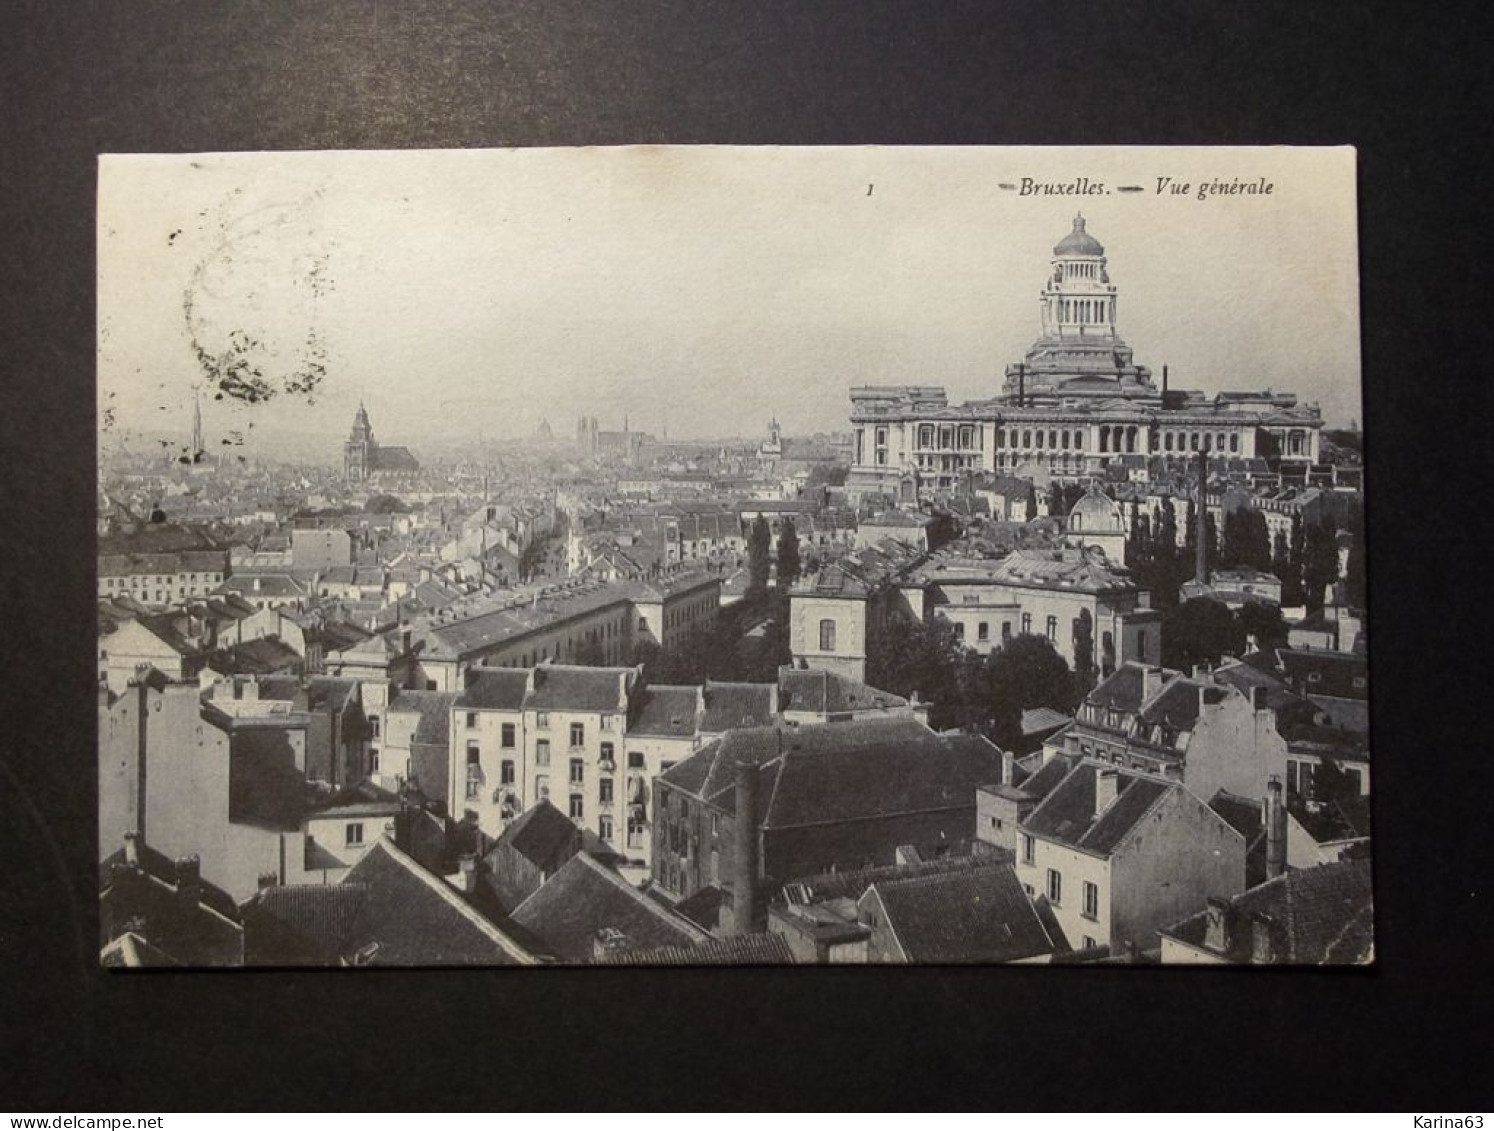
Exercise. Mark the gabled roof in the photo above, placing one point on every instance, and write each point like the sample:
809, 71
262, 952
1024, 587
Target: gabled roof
302, 924
821, 773
972, 915
543, 835
584, 898
1123, 689
132, 951
1067, 814
414, 918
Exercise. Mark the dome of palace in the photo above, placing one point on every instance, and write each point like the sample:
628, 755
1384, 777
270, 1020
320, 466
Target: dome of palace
1079, 242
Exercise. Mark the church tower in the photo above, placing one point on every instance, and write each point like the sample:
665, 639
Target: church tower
197, 448
1079, 353
360, 452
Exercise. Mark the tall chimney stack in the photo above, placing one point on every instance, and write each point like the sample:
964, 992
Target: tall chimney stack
1164, 386
1201, 523
1107, 788
1276, 829
1021, 385
744, 848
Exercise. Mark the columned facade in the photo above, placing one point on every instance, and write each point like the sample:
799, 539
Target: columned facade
1076, 403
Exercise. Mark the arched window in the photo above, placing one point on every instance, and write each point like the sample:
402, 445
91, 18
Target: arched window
827, 636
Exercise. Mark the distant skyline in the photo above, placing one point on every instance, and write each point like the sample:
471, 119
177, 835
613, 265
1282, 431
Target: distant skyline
702, 289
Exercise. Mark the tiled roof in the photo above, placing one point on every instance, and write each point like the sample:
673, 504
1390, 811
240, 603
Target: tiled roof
414, 918
973, 915
820, 773
302, 923
160, 867
569, 909
1067, 814
494, 689
734, 950
1320, 916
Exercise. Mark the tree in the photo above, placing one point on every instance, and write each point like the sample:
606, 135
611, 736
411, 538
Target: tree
1246, 542
1200, 631
1028, 672
759, 558
384, 504
1031, 511
1293, 587
1320, 560
1263, 623
789, 566
1084, 643
1056, 509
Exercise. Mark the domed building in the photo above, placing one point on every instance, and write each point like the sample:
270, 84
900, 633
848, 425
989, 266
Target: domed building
1075, 405
1097, 520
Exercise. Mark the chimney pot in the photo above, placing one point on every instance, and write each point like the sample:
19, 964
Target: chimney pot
1276, 829
467, 866
132, 849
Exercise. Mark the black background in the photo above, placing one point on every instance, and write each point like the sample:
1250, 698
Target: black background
1408, 88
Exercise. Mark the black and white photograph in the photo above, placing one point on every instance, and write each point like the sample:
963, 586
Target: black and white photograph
732, 555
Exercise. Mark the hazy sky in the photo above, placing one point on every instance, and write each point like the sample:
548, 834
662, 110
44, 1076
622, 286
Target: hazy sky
702, 289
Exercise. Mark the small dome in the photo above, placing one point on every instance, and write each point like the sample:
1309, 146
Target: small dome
1079, 242
1097, 512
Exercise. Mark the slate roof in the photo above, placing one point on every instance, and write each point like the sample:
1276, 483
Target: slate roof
973, 915
666, 712
543, 835
1067, 814
434, 709
732, 705
853, 884
824, 692
1122, 689
494, 689
411, 917
1322, 916
734, 950
1335, 673
821, 773
1081, 570
163, 869
565, 688
568, 910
